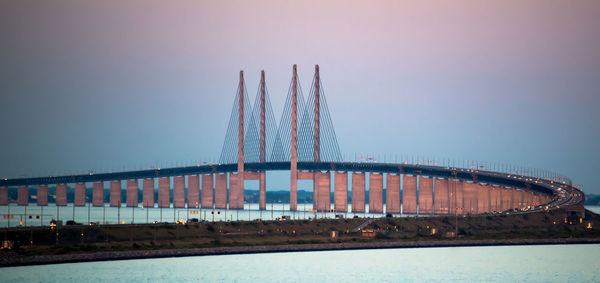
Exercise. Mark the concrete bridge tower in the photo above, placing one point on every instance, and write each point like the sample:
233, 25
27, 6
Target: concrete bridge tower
262, 194
294, 144
317, 135
238, 191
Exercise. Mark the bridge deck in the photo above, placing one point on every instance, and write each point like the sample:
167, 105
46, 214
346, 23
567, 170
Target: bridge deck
503, 179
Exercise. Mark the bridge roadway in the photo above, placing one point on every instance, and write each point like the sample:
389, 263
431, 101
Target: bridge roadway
563, 194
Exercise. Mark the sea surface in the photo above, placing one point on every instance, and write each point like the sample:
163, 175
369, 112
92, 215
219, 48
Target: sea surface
33, 215
548, 263
545, 263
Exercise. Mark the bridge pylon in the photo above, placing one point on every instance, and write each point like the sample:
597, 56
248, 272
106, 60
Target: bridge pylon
294, 143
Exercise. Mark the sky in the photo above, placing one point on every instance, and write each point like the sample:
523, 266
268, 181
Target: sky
114, 85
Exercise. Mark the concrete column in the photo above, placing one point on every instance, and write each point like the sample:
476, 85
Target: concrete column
237, 192
499, 196
440, 196
207, 191
358, 192
262, 191
425, 195
164, 192
392, 194
501, 199
496, 198
340, 192
513, 199
98, 194
61, 194
3, 195
79, 194
315, 180
506, 198
179, 191
518, 194
317, 133
482, 199
148, 192
492, 200
456, 198
375, 193
511, 204
193, 199
221, 191
23, 195
470, 197
529, 198
236, 197
323, 180
262, 188
42, 195
115, 193
132, 193
262, 144
294, 145
409, 194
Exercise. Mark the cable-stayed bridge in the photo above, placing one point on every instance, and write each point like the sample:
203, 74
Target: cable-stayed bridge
305, 144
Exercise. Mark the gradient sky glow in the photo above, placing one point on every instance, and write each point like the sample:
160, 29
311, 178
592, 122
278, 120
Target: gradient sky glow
107, 85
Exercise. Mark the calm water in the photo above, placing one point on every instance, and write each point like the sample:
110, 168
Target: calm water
112, 215
593, 208
41, 216
560, 263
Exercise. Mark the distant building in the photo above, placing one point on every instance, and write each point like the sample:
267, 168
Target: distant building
370, 233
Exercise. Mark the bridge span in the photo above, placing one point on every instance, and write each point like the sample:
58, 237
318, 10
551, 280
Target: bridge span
305, 145
410, 188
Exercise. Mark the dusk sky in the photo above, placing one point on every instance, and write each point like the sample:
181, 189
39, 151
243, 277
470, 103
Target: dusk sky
113, 85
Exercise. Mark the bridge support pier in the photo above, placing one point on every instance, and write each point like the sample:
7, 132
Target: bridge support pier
375, 193
132, 193
425, 195
148, 192
164, 192
98, 194
193, 199
3, 195
323, 189
481, 198
470, 195
179, 192
358, 192
207, 191
221, 191
115, 193
61, 194
42, 195
392, 194
79, 194
340, 192
262, 192
409, 194
23, 195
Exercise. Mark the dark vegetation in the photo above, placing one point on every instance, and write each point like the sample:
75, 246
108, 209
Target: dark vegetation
85, 239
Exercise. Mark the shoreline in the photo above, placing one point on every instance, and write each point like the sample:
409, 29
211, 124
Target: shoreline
8, 260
